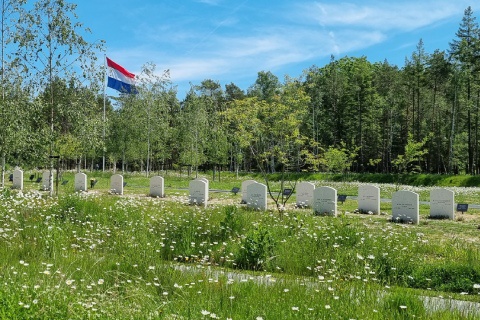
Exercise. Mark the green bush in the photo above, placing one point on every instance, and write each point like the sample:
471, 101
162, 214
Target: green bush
256, 249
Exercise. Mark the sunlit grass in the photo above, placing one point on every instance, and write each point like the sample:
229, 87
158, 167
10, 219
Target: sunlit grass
95, 255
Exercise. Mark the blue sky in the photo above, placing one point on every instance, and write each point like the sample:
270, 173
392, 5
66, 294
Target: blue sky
231, 41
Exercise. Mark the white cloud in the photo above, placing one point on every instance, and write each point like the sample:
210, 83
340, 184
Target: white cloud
382, 15
188, 68
298, 34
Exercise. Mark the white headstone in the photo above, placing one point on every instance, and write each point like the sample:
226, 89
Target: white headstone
369, 199
198, 190
405, 207
245, 185
442, 203
257, 196
157, 187
204, 180
116, 184
304, 193
18, 179
325, 201
80, 182
46, 181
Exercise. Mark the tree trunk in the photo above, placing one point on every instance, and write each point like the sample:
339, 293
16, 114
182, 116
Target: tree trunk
3, 169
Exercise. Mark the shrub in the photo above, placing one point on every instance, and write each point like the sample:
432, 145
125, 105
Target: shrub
256, 249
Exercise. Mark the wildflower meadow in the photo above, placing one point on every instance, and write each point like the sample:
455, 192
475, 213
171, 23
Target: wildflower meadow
93, 255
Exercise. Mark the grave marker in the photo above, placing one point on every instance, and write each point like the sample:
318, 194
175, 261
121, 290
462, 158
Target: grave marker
80, 182
305, 194
462, 207
116, 184
442, 204
245, 185
206, 181
369, 199
17, 179
257, 196
405, 207
157, 187
325, 201
198, 192
341, 198
46, 181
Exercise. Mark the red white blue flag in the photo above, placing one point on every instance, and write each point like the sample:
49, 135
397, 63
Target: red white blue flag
119, 78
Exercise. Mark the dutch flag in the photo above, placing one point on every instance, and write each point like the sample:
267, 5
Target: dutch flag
119, 78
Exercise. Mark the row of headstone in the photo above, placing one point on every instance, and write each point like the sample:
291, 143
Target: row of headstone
80, 184
157, 186
405, 204
323, 200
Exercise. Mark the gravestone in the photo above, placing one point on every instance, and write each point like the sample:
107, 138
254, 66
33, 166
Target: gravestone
46, 181
405, 207
245, 185
17, 179
369, 199
198, 192
206, 181
257, 196
157, 187
305, 194
116, 184
325, 201
442, 203
80, 182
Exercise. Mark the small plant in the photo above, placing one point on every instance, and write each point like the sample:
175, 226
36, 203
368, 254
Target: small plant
403, 305
256, 250
230, 221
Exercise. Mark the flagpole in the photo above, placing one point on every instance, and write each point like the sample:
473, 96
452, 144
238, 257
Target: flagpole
104, 102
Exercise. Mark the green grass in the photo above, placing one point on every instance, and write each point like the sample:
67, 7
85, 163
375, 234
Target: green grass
101, 256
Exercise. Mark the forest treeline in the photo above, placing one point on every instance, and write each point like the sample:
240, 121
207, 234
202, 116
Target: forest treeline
348, 115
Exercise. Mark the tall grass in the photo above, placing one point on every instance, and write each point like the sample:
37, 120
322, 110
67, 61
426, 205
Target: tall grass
97, 256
